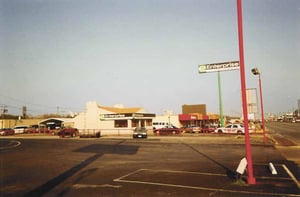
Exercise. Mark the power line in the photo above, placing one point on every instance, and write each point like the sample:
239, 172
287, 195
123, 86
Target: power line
34, 107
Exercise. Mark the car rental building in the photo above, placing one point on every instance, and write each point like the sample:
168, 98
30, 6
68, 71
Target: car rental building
116, 120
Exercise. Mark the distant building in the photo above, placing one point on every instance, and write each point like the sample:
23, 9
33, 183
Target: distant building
113, 120
199, 108
195, 115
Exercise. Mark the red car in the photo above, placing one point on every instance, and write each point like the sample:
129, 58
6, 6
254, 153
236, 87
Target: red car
68, 132
31, 129
168, 130
7, 131
208, 129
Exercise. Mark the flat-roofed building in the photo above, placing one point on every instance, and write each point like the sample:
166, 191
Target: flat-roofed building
113, 120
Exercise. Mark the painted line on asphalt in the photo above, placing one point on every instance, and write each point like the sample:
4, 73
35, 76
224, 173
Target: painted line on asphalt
122, 179
291, 175
79, 186
11, 144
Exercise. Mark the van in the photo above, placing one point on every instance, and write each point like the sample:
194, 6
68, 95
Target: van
159, 125
20, 129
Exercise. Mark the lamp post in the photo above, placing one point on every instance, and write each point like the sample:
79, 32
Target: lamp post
255, 71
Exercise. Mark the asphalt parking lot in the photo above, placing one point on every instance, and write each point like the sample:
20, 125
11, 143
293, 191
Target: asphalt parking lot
157, 166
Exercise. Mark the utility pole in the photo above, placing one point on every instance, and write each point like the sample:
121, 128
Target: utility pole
3, 111
57, 110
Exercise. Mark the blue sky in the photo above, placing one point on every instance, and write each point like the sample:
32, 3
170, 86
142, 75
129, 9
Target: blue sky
145, 53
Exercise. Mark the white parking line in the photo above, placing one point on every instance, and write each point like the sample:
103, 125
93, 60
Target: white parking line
291, 175
122, 179
11, 144
79, 186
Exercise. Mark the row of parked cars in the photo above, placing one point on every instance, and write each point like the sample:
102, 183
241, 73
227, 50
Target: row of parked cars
32, 130
61, 132
12, 131
172, 130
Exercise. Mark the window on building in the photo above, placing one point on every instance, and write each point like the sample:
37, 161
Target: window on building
148, 122
134, 123
121, 123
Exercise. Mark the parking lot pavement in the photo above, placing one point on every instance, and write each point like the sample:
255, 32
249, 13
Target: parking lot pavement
158, 166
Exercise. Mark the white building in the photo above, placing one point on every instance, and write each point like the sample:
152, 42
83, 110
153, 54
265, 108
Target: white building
112, 120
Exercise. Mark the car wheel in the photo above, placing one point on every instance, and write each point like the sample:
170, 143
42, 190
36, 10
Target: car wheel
220, 131
239, 132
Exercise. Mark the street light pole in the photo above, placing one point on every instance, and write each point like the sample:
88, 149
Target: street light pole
255, 71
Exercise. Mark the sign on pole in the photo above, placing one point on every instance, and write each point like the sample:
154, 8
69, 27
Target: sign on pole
225, 66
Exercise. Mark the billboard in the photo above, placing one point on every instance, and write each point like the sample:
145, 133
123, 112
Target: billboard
225, 66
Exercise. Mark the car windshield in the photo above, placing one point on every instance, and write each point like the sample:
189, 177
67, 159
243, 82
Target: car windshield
140, 130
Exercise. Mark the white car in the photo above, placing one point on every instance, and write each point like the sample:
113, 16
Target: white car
232, 128
20, 129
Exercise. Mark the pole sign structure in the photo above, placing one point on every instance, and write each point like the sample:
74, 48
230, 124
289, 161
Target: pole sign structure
218, 67
225, 66
251, 178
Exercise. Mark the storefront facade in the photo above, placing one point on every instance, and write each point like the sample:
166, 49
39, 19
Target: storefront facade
113, 120
196, 119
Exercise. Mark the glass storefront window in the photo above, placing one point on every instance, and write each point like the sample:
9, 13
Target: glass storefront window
121, 123
148, 122
134, 123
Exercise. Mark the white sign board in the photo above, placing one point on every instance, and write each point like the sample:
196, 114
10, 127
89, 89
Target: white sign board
225, 66
242, 166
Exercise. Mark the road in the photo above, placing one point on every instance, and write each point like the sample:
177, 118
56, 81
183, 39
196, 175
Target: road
287, 136
290, 131
157, 166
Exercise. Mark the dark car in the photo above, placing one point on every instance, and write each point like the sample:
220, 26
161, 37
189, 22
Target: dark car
68, 132
140, 132
7, 131
168, 130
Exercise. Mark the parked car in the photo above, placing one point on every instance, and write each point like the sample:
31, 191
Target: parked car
168, 130
32, 129
43, 130
68, 132
20, 129
191, 129
140, 132
208, 128
7, 131
232, 128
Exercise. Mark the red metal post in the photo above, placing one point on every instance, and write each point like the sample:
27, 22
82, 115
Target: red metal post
251, 179
262, 110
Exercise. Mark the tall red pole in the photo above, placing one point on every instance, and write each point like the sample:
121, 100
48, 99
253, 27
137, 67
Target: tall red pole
251, 179
262, 110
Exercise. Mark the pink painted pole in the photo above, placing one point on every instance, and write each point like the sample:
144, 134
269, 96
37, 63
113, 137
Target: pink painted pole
251, 179
262, 110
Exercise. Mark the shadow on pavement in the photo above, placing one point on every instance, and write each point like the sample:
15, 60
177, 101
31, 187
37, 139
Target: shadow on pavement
99, 149
231, 174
